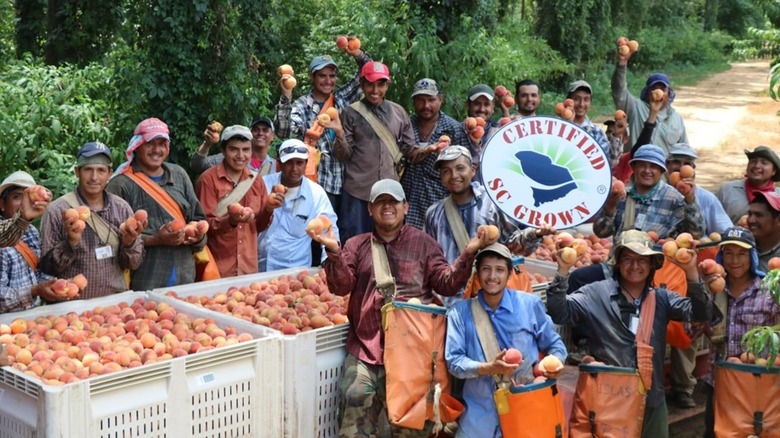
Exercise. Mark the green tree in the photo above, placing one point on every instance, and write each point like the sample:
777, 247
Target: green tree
30, 26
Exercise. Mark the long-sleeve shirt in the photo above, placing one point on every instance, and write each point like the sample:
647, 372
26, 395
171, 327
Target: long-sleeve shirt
664, 211
669, 124
234, 248
11, 229
17, 278
520, 322
163, 265
715, 217
104, 275
418, 267
733, 197
421, 182
480, 210
200, 163
595, 307
752, 308
286, 244
365, 157
294, 119
598, 135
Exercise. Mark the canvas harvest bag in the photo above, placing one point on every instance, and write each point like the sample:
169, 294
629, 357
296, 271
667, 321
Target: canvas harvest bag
746, 400
416, 377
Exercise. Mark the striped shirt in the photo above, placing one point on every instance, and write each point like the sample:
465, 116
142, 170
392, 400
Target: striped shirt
17, 278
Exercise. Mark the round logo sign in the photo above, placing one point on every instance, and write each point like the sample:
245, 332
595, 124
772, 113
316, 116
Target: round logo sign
545, 169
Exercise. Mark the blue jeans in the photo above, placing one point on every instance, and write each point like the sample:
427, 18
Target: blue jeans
353, 217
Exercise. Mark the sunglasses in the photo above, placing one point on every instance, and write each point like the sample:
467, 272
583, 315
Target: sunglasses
294, 149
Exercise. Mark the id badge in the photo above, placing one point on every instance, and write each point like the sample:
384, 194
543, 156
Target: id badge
639, 223
104, 252
633, 324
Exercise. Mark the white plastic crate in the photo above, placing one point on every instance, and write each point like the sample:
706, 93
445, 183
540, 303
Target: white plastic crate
313, 365
211, 394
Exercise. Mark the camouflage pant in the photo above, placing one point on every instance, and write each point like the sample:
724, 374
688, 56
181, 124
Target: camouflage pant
363, 406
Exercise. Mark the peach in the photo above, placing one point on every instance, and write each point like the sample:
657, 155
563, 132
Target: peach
708, 267
551, 364
289, 82
342, 42
684, 240
657, 95
279, 188
326, 223
500, 91
513, 356
622, 41
477, 132
332, 112
60, 287
480, 121
618, 187
670, 248
568, 103
83, 211
177, 225
683, 255
70, 214
715, 236
80, 226
353, 44
620, 115
559, 108
141, 215
563, 239
624, 50
569, 255
568, 114
761, 361
773, 263
509, 101
470, 123
717, 285
315, 226
490, 230
674, 178
633, 45
683, 187
653, 235
686, 171
323, 119
38, 193
747, 357
285, 69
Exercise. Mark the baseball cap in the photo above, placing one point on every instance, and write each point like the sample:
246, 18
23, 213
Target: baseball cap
772, 198
638, 242
450, 153
738, 236
650, 153
321, 62
576, 85
264, 120
658, 78
19, 178
425, 86
234, 131
609, 122
387, 186
151, 129
374, 71
683, 149
769, 154
293, 148
94, 152
480, 90
495, 248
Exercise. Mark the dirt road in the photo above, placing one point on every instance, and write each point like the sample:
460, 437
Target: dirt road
725, 114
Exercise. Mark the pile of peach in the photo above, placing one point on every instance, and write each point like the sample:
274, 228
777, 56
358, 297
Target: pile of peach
583, 250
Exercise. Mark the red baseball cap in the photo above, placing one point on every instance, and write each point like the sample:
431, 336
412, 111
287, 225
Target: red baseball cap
772, 198
374, 71
152, 128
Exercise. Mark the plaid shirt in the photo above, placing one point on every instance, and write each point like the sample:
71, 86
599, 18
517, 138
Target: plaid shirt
421, 182
416, 263
11, 230
162, 266
16, 276
294, 119
598, 135
104, 277
753, 308
665, 212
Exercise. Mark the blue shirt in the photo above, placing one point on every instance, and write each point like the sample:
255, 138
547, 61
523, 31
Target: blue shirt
597, 134
520, 321
16, 276
285, 243
715, 217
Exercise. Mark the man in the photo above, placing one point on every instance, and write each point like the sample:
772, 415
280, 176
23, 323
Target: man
743, 305
762, 171
670, 128
370, 155
764, 222
232, 235
528, 96
581, 92
657, 206
480, 103
12, 228
286, 243
22, 285
296, 118
609, 310
519, 321
164, 190
101, 250
715, 218
262, 136
618, 136
429, 123
474, 208
417, 266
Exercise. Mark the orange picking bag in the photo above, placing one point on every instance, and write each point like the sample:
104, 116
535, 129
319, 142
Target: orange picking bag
417, 381
746, 400
534, 410
673, 277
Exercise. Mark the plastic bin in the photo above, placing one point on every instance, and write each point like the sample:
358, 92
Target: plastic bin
231, 391
313, 361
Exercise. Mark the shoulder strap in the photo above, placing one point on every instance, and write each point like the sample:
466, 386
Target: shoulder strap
265, 168
646, 316
629, 214
28, 254
380, 129
236, 195
96, 222
485, 333
155, 192
385, 282
456, 223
